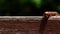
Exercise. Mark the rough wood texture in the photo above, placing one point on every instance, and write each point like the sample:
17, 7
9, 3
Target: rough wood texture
29, 25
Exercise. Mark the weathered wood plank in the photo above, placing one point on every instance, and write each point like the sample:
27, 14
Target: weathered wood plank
29, 25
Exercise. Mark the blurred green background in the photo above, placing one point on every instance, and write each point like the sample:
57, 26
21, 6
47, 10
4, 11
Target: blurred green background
28, 7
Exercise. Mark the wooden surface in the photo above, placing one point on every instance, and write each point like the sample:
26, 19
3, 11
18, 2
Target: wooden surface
29, 25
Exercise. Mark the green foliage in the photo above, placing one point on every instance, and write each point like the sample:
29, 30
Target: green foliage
8, 4
37, 3
23, 1
58, 8
4, 4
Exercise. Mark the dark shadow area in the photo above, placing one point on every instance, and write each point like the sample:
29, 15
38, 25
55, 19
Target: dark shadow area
27, 7
43, 25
